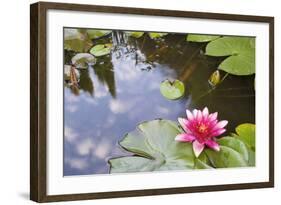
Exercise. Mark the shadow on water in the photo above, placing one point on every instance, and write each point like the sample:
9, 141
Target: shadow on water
122, 89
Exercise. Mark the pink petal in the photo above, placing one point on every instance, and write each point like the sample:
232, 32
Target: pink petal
183, 122
184, 137
213, 145
213, 116
205, 113
195, 111
189, 115
222, 124
212, 124
197, 148
217, 132
199, 116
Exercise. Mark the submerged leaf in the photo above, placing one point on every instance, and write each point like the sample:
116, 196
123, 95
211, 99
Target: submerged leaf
172, 90
215, 78
201, 38
154, 146
241, 52
83, 60
101, 49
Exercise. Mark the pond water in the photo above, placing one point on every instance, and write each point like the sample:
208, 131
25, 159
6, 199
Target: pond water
122, 89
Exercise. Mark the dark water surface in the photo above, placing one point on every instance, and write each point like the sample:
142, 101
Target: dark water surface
122, 89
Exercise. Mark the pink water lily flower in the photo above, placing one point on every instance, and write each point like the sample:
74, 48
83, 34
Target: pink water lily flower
201, 128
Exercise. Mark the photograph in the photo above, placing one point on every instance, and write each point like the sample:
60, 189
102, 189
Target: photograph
149, 101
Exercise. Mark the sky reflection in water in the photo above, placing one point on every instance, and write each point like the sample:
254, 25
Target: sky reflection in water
117, 93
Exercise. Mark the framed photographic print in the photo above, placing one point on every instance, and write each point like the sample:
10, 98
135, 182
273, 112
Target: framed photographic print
134, 102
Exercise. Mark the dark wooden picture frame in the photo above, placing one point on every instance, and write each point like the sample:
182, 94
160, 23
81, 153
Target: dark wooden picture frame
38, 101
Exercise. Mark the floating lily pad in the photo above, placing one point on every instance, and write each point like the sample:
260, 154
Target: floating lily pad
226, 158
202, 162
94, 34
154, 147
77, 40
246, 133
201, 38
83, 60
135, 34
172, 90
237, 150
241, 52
101, 49
236, 145
156, 35
233, 153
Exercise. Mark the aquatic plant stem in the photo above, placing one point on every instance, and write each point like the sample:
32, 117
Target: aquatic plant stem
212, 89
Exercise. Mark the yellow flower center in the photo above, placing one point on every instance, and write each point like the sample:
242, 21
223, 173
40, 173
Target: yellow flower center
202, 128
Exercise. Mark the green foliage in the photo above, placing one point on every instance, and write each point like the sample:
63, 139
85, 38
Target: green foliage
83, 60
94, 34
172, 90
240, 53
154, 147
135, 34
246, 133
101, 49
77, 40
153, 35
201, 38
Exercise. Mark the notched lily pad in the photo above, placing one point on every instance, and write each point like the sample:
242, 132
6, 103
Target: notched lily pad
172, 90
240, 52
83, 60
94, 34
246, 133
154, 35
135, 34
101, 49
201, 38
154, 147
77, 40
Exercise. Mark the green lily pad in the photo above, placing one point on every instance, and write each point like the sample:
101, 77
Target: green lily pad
241, 52
83, 60
233, 153
154, 147
201, 38
77, 40
172, 90
153, 35
94, 34
135, 34
202, 162
226, 158
101, 49
236, 145
246, 133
